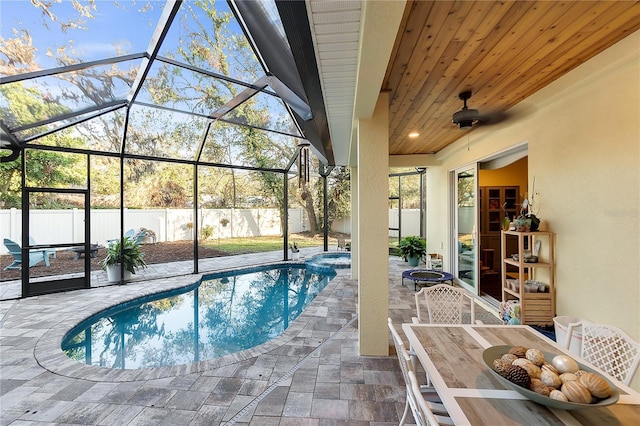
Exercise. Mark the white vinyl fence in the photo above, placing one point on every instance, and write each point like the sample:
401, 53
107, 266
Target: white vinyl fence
410, 223
67, 226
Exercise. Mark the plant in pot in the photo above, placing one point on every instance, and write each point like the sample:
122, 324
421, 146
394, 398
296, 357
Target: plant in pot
527, 221
126, 251
412, 249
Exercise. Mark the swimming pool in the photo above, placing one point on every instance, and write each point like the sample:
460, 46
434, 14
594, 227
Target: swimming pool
222, 314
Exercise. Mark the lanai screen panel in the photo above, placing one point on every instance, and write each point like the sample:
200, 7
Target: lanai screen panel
264, 111
101, 133
186, 90
56, 34
228, 143
206, 35
163, 134
85, 88
93, 130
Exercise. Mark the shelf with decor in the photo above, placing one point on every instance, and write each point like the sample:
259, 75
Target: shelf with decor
495, 202
528, 275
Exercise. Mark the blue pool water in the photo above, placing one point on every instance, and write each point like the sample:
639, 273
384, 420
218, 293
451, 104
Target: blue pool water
222, 314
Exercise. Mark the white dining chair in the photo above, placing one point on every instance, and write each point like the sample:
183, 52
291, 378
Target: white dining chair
422, 412
608, 348
428, 394
444, 304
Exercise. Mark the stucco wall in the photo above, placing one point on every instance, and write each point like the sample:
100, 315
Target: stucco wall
583, 136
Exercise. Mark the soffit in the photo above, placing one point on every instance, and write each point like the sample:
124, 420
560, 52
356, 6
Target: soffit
335, 27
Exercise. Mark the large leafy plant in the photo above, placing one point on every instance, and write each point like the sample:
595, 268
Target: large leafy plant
125, 251
412, 247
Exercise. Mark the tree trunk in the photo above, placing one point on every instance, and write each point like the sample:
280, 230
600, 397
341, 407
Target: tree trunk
311, 212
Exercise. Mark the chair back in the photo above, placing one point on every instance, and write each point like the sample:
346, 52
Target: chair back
13, 248
444, 304
610, 349
422, 414
403, 356
140, 236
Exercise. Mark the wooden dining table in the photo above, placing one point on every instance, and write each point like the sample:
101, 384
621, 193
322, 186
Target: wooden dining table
452, 356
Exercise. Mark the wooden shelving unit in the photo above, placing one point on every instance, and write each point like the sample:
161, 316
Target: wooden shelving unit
537, 308
491, 202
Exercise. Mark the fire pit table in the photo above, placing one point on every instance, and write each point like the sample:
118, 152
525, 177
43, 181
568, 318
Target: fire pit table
80, 250
426, 276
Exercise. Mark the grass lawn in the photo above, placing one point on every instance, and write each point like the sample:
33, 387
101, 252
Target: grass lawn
262, 244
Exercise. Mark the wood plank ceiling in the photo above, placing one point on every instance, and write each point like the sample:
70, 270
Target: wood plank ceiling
503, 51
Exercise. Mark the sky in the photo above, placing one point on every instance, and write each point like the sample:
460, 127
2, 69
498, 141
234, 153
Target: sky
127, 25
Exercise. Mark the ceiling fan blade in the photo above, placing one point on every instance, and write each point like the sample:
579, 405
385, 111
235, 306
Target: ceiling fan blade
492, 117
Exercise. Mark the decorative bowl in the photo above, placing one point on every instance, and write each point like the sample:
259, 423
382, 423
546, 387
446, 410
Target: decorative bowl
495, 352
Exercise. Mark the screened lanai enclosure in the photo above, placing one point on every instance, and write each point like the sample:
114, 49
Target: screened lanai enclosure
178, 120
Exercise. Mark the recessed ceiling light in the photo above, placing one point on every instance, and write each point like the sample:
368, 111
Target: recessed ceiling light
414, 134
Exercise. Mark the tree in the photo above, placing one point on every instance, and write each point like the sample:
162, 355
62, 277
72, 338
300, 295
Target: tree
44, 168
339, 190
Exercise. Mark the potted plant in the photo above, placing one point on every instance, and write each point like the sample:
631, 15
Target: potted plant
527, 221
412, 249
127, 252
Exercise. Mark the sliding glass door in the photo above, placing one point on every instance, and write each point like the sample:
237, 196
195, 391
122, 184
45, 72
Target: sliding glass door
466, 229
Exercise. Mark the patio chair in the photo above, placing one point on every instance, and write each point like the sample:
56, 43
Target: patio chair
130, 233
52, 253
140, 236
342, 244
35, 256
445, 304
608, 348
427, 393
422, 413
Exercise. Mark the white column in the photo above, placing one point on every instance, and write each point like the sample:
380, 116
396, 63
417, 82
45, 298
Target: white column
373, 225
355, 250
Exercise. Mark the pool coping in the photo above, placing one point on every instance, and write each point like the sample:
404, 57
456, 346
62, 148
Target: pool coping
49, 355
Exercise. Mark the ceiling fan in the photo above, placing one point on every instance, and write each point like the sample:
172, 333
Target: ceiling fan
467, 117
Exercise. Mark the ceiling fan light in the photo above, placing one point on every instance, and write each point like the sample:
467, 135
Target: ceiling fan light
465, 124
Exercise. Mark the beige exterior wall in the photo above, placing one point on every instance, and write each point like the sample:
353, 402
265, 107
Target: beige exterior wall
583, 136
373, 223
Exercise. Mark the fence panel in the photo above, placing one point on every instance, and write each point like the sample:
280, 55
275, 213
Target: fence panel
67, 226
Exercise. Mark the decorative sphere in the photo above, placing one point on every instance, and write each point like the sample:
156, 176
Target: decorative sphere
564, 364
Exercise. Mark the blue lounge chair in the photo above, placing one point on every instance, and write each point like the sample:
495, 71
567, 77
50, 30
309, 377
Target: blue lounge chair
140, 236
52, 253
35, 256
130, 233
